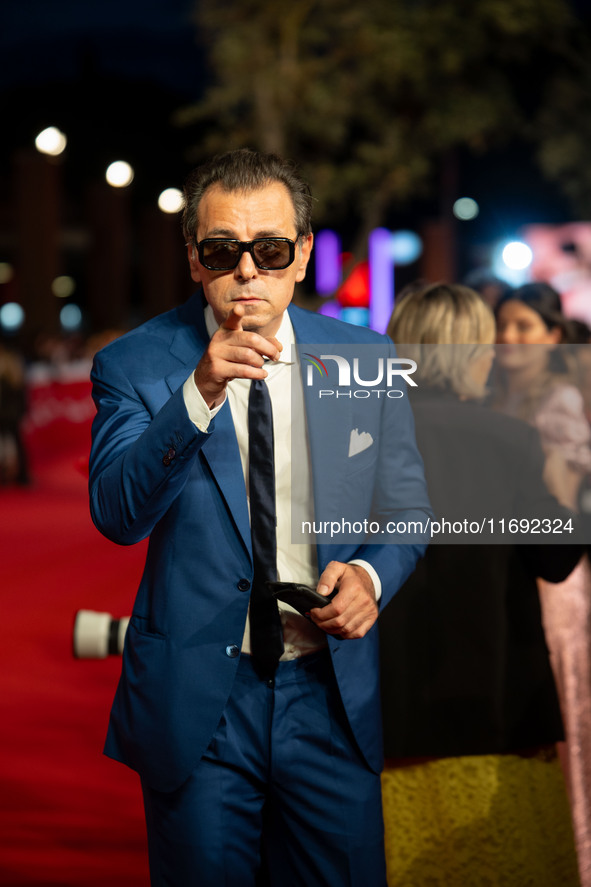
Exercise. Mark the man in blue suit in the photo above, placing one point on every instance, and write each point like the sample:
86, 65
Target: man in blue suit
253, 771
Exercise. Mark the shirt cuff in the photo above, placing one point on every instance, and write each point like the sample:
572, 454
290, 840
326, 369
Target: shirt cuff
199, 413
377, 584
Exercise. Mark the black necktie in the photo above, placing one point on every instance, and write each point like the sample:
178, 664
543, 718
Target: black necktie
266, 638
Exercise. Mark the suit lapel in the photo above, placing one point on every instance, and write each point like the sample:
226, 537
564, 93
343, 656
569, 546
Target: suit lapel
327, 421
223, 457
221, 451
188, 342
325, 417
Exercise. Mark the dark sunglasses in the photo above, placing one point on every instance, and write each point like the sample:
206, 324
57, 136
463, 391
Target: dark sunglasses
268, 253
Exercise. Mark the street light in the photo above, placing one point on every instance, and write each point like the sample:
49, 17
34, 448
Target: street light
465, 209
517, 255
51, 141
171, 201
12, 316
511, 261
119, 174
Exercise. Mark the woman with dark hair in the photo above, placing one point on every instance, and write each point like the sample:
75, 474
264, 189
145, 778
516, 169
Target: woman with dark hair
473, 791
534, 383
542, 298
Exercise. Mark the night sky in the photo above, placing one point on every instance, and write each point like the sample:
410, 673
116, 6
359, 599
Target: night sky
111, 73
145, 42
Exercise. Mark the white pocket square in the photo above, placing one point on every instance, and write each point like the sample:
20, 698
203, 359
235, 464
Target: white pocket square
359, 441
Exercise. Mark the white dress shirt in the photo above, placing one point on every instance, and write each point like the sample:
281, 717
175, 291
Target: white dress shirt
296, 562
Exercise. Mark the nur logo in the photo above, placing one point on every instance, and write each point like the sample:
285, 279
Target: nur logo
381, 372
314, 361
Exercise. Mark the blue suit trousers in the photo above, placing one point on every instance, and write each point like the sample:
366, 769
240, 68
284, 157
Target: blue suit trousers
282, 796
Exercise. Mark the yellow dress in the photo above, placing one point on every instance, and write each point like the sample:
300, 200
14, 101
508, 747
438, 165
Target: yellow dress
479, 821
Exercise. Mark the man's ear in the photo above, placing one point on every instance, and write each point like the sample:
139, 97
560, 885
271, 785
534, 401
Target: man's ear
305, 251
193, 263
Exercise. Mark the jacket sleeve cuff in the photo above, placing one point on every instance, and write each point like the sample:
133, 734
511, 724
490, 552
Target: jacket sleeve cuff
199, 413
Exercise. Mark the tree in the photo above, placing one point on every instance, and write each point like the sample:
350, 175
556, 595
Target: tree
562, 131
370, 98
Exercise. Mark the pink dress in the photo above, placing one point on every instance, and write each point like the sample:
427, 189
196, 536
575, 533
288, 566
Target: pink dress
566, 610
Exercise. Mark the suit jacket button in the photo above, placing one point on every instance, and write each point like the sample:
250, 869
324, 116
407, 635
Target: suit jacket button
243, 585
232, 651
169, 457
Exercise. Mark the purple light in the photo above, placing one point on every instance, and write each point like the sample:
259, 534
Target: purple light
328, 262
330, 309
381, 279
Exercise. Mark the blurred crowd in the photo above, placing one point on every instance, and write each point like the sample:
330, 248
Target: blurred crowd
54, 359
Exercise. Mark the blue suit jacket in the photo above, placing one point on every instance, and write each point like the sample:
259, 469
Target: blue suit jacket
153, 473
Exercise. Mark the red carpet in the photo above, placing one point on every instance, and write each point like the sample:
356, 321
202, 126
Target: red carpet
68, 815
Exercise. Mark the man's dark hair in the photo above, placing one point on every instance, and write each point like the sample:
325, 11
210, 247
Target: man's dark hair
246, 170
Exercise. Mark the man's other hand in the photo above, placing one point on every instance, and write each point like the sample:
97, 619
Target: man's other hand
353, 610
